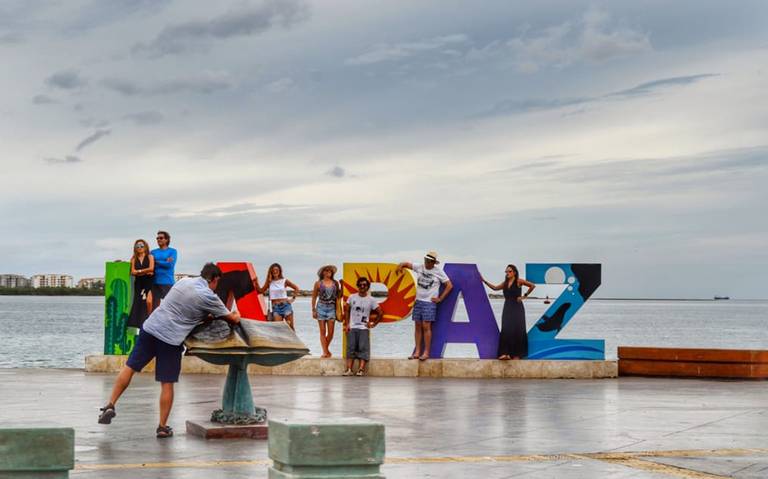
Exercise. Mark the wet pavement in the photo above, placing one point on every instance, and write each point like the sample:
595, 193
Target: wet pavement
446, 428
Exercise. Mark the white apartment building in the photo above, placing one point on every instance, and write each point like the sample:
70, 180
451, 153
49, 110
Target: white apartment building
52, 281
14, 281
90, 283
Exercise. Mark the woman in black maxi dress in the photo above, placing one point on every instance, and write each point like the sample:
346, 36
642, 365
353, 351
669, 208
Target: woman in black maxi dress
143, 272
513, 341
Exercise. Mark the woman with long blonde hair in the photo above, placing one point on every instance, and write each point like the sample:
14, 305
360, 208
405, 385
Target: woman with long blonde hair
143, 272
278, 286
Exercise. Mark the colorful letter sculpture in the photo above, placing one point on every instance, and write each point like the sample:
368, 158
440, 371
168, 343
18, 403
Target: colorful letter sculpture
236, 284
117, 306
401, 288
481, 329
582, 280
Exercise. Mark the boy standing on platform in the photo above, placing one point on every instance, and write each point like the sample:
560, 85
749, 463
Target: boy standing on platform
429, 277
165, 267
357, 323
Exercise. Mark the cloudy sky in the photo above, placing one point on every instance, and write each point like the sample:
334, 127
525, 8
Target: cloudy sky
634, 134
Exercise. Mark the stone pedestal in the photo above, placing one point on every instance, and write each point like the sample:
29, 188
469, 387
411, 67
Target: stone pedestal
237, 418
342, 448
212, 430
37, 453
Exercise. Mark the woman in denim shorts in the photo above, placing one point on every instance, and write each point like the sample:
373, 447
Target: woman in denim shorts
278, 286
325, 295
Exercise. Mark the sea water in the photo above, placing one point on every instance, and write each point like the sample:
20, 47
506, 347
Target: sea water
57, 332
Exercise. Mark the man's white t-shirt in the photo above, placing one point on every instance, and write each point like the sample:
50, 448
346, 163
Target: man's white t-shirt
360, 308
428, 281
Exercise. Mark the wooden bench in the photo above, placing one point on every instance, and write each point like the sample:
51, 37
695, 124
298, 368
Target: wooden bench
695, 363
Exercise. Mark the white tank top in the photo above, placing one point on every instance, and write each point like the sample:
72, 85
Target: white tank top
277, 289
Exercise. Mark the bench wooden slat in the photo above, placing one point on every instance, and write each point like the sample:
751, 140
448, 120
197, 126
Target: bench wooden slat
632, 367
749, 356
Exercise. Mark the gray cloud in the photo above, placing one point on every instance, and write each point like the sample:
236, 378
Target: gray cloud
94, 123
67, 160
145, 117
202, 85
651, 173
175, 39
89, 140
649, 87
11, 38
281, 85
42, 100
594, 37
508, 107
336, 172
66, 80
397, 51
239, 209
511, 107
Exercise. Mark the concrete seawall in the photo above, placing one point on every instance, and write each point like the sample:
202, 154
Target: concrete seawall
392, 367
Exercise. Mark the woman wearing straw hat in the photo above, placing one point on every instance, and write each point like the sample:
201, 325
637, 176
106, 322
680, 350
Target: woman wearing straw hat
325, 295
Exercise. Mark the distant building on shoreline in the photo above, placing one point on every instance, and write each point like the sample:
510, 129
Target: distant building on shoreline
14, 281
179, 276
91, 283
52, 281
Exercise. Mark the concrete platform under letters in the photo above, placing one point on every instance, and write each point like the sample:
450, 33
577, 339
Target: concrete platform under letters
395, 367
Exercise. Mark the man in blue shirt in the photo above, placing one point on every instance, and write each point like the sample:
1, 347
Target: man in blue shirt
189, 303
165, 267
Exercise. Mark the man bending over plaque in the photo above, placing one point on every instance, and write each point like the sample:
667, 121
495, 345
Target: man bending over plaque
190, 302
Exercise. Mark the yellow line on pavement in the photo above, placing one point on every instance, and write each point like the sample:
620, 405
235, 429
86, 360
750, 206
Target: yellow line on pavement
666, 469
629, 459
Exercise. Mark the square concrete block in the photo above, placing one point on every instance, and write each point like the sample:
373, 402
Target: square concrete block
405, 368
331, 366
300, 367
258, 370
430, 368
338, 442
43, 453
466, 368
382, 367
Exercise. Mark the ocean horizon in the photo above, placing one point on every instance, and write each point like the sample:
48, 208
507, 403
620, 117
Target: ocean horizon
58, 332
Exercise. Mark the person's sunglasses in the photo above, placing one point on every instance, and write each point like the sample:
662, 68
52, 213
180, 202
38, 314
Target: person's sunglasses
139, 246
160, 238
363, 285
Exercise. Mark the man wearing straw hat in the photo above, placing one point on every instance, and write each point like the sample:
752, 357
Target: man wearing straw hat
429, 277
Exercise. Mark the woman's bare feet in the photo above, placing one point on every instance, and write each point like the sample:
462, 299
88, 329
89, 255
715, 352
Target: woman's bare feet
424, 357
504, 357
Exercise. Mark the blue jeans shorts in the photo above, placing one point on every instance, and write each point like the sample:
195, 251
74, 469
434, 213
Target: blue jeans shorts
282, 309
424, 311
325, 311
147, 348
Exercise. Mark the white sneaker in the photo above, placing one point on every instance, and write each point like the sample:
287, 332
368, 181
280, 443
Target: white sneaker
360, 372
348, 372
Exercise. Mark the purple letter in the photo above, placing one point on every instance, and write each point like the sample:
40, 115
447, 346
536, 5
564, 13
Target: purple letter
481, 329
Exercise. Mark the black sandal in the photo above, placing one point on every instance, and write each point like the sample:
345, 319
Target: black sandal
107, 413
164, 431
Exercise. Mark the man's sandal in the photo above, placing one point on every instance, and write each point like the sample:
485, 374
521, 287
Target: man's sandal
107, 413
164, 431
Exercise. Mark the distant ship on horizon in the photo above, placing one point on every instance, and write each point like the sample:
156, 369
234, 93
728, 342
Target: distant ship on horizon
720, 298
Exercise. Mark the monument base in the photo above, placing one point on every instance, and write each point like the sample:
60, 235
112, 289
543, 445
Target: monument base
212, 430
